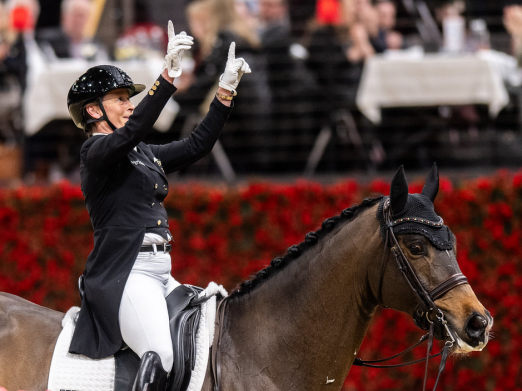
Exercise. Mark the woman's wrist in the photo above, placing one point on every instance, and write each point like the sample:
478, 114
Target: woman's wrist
224, 96
166, 76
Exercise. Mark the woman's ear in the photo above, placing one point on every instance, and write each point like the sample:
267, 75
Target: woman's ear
93, 110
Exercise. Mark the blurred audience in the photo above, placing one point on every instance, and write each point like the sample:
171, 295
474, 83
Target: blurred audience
13, 66
143, 41
275, 38
513, 22
13, 71
215, 24
69, 40
245, 11
337, 50
367, 17
387, 13
290, 86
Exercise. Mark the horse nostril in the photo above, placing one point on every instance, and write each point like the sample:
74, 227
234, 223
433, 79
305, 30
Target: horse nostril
476, 326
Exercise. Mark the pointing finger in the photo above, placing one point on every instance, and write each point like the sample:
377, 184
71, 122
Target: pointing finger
171, 30
232, 51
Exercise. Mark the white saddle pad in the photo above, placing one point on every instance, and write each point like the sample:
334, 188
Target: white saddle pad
76, 372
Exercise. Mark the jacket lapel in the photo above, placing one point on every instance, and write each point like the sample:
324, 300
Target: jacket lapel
151, 161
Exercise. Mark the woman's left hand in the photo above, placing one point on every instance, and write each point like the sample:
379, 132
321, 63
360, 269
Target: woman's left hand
177, 45
234, 69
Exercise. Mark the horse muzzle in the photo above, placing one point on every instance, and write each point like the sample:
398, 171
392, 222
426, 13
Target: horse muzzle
474, 336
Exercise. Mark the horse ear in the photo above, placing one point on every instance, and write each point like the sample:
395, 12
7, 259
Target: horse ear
398, 191
431, 187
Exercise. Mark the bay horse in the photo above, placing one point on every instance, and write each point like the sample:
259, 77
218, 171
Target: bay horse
299, 323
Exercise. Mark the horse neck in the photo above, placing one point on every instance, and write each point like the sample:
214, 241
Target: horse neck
307, 322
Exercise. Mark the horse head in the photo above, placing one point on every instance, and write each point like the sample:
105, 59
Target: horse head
435, 290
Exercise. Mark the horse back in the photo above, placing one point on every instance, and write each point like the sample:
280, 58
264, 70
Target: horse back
28, 333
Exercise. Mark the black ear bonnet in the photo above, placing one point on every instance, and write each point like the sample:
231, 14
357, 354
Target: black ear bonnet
414, 213
418, 217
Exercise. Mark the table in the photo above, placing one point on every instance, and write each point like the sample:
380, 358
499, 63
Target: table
48, 85
417, 79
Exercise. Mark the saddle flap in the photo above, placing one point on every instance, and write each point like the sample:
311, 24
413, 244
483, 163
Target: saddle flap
184, 323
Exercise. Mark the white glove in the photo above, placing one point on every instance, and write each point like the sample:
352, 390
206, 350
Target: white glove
234, 69
177, 44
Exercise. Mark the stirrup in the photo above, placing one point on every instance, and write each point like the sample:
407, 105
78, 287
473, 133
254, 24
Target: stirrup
151, 375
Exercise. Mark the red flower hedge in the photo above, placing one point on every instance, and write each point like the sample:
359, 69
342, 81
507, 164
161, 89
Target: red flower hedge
225, 234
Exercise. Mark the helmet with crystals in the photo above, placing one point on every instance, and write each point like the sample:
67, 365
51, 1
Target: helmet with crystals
95, 83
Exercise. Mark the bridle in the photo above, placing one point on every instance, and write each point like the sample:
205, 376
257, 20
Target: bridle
427, 315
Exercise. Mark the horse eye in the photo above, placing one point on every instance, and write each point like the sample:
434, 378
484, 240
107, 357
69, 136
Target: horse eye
415, 249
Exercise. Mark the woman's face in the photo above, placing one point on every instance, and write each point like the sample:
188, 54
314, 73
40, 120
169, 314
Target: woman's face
118, 106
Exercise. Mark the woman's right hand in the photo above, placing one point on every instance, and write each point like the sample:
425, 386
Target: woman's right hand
177, 45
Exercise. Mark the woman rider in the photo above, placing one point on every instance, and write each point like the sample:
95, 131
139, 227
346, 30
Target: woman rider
127, 275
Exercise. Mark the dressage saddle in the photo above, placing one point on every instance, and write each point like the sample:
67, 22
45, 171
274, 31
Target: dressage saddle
184, 309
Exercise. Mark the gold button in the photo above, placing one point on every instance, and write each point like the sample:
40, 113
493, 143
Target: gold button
159, 222
156, 186
154, 88
156, 82
151, 92
161, 203
164, 187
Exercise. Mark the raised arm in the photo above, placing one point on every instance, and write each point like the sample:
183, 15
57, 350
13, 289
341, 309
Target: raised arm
104, 151
201, 141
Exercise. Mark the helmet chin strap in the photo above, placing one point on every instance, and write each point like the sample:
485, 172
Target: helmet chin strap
104, 117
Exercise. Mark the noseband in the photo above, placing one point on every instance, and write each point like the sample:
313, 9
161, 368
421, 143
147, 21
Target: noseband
427, 315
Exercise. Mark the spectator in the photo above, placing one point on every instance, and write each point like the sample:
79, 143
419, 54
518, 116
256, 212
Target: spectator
513, 23
387, 12
366, 15
13, 71
244, 9
290, 88
337, 53
69, 40
275, 42
215, 24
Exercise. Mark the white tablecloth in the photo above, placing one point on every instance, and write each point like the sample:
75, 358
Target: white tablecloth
433, 80
48, 85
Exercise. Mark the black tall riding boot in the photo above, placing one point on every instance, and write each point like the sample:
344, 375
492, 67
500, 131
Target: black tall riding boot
151, 375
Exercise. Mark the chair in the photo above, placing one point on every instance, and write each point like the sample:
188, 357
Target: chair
345, 127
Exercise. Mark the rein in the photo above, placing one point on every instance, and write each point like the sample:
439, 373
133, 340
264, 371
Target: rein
426, 311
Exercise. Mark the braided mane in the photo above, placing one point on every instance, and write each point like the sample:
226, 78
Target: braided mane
294, 252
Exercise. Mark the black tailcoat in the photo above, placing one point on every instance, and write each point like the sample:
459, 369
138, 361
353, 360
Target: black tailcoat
124, 191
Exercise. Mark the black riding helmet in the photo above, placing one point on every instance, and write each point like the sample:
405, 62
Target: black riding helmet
91, 86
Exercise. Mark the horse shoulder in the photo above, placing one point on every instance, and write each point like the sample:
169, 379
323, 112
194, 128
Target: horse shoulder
28, 334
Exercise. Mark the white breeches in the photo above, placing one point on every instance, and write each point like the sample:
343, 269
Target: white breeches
143, 316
